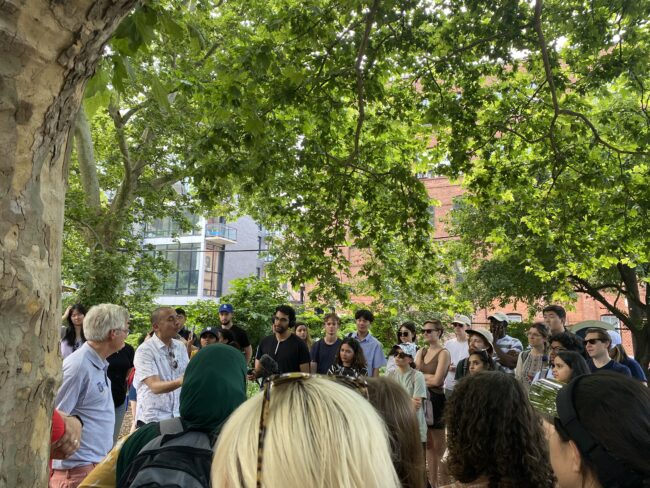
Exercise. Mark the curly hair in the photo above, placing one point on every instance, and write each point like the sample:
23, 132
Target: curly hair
359, 358
502, 440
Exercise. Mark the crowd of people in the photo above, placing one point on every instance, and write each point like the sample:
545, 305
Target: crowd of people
446, 412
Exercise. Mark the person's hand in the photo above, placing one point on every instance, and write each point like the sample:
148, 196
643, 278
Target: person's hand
69, 442
66, 313
251, 376
417, 403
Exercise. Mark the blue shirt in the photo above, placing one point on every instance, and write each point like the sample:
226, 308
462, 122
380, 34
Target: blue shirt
611, 366
373, 352
86, 391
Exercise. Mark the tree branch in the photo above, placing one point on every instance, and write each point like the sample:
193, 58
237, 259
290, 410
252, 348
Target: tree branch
86, 160
359, 73
583, 286
537, 23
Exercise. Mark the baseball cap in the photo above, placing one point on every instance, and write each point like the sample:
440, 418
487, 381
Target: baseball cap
462, 319
485, 334
407, 348
615, 337
209, 330
501, 317
225, 307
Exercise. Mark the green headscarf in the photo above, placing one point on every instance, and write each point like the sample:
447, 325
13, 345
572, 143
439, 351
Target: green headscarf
214, 385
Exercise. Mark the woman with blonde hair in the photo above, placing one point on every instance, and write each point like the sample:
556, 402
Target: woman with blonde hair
315, 432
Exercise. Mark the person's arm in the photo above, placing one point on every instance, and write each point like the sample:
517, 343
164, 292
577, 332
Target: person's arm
437, 379
158, 386
375, 372
248, 353
519, 368
418, 358
419, 391
304, 368
64, 317
507, 359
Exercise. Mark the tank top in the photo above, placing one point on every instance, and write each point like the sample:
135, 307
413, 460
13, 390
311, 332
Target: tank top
431, 367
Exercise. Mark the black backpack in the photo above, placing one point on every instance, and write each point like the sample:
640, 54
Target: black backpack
177, 458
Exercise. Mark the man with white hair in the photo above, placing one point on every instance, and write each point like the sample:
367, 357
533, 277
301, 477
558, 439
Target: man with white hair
86, 393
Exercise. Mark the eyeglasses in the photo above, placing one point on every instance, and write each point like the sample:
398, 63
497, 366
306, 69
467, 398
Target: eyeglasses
400, 355
458, 325
427, 331
593, 341
404, 333
358, 384
172, 360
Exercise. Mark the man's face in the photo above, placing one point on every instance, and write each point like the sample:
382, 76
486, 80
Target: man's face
476, 343
331, 327
554, 322
497, 329
460, 329
555, 348
180, 319
597, 347
225, 318
167, 324
363, 325
280, 323
119, 336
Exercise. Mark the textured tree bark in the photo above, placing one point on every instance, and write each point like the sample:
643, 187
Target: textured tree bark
48, 50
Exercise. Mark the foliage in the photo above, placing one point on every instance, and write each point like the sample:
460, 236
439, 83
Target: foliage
253, 300
542, 109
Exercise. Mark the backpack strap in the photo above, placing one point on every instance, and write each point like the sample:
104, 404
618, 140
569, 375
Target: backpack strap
170, 426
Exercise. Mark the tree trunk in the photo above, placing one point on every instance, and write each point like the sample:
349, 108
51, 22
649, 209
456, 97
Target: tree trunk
48, 50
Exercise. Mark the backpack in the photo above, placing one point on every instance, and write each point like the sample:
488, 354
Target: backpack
177, 458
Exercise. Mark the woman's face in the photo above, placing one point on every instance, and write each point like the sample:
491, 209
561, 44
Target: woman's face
405, 335
475, 364
561, 370
347, 355
301, 331
207, 339
77, 317
535, 339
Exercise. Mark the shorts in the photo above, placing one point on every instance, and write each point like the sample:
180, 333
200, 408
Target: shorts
438, 403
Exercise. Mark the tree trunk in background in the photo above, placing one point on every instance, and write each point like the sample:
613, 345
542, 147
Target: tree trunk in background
48, 50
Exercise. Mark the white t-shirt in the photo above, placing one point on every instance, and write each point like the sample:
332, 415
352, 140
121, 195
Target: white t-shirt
457, 351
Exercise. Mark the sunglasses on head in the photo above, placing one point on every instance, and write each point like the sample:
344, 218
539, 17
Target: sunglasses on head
357, 384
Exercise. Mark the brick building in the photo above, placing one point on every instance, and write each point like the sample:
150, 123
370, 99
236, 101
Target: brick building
445, 191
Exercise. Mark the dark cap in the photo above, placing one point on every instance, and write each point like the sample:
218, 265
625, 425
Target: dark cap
225, 307
209, 330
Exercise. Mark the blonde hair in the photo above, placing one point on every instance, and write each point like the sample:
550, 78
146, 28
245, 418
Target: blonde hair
319, 434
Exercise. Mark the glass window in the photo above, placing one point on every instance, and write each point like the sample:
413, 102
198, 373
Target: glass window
184, 278
166, 227
514, 317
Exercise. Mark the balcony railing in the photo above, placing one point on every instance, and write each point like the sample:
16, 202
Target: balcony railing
219, 231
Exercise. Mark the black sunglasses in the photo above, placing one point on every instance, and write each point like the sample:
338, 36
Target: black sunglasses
172, 360
404, 333
594, 341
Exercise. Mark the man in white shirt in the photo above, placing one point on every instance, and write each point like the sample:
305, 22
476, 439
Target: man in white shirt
458, 349
160, 364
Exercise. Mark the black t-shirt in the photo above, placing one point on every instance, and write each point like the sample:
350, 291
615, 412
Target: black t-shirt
240, 336
289, 354
324, 354
119, 364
